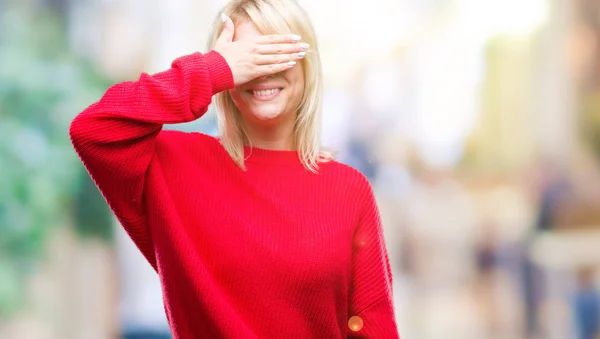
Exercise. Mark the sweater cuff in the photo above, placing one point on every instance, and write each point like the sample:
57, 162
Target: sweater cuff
220, 73
376, 321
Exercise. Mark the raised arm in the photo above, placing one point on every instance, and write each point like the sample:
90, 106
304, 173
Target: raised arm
115, 137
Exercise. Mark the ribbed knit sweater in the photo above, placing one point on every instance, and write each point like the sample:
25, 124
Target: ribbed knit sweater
275, 251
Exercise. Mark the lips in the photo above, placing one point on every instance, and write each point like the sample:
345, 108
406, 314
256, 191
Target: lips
265, 94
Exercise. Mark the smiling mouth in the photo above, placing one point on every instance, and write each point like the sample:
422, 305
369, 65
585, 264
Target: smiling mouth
265, 94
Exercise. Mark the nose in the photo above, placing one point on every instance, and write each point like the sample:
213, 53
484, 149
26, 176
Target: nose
265, 77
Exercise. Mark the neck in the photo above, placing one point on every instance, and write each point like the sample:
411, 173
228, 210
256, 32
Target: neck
276, 136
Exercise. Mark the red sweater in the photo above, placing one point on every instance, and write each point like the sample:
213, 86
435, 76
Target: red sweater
272, 252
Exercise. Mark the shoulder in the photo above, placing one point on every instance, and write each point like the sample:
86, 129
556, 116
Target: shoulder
178, 139
347, 177
352, 189
171, 143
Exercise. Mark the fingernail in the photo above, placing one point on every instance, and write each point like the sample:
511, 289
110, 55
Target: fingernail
291, 63
301, 54
304, 46
223, 17
296, 37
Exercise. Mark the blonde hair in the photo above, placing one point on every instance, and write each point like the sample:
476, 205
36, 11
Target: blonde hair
276, 17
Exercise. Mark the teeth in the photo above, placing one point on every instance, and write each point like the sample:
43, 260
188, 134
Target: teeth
265, 92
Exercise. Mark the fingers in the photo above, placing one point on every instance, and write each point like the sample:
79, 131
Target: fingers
282, 48
228, 30
264, 70
277, 39
278, 58
277, 53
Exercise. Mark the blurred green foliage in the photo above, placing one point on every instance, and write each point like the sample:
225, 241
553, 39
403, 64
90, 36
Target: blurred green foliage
42, 183
591, 121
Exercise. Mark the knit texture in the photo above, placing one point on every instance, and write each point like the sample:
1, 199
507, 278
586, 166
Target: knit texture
271, 252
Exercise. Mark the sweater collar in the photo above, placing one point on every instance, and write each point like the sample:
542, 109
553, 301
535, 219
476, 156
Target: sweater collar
267, 156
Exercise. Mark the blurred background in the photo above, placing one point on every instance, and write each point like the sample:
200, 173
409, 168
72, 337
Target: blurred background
477, 122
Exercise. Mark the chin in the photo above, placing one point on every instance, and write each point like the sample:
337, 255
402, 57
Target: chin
266, 113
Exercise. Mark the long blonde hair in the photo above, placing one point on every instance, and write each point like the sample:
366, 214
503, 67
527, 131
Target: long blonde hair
276, 17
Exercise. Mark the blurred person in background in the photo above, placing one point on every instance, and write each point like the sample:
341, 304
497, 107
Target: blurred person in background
586, 305
553, 187
258, 233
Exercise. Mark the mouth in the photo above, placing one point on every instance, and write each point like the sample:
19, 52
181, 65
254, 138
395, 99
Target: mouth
265, 94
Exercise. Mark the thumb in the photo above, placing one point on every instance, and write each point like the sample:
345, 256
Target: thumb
228, 30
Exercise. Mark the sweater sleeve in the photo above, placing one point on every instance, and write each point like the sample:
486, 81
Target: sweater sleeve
371, 313
115, 137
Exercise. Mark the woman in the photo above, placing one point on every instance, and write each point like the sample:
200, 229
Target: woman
258, 234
